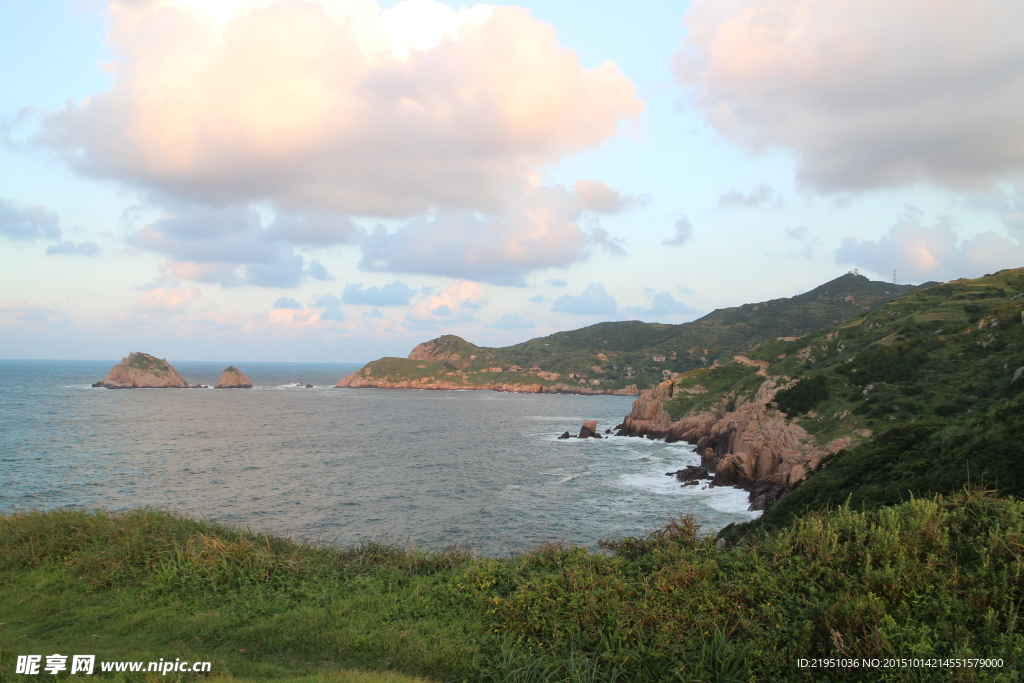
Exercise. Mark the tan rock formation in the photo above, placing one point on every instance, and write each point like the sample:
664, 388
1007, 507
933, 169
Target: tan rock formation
141, 370
232, 378
752, 447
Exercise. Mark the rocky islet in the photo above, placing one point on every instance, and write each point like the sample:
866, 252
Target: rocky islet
141, 370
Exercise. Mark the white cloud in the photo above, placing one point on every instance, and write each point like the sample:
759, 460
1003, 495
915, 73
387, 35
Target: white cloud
36, 222
919, 253
760, 197
594, 300
684, 232
332, 308
230, 245
595, 196
1007, 204
458, 303
287, 302
336, 105
869, 94
69, 248
540, 229
162, 300
395, 293
663, 306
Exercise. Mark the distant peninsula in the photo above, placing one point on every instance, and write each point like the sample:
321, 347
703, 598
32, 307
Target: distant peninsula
623, 358
141, 370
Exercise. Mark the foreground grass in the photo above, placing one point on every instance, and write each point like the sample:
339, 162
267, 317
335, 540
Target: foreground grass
941, 577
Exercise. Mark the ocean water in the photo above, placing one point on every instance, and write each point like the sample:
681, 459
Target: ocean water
340, 465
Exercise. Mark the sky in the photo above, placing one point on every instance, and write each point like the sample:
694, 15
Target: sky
339, 180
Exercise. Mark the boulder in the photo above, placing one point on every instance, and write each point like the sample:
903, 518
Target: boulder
589, 429
693, 472
141, 370
766, 491
565, 435
232, 378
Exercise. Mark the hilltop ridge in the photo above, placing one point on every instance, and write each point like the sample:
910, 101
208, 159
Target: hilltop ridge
623, 357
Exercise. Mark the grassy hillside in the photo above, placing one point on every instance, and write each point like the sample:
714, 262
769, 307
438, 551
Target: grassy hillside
937, 352
143, 585
983, 448
618, 354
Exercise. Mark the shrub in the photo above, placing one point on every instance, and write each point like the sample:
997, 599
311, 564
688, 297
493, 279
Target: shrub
803, 396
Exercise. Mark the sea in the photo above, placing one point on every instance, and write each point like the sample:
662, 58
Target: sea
477, 469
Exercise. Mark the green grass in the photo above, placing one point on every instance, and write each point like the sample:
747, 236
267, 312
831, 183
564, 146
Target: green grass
147, 363
931, 577
705, 389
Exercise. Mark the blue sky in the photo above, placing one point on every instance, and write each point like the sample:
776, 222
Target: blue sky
340, 180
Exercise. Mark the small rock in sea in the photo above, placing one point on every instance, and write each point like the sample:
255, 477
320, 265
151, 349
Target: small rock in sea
589, 429
692, 472
607, 431
309, 386
564, 436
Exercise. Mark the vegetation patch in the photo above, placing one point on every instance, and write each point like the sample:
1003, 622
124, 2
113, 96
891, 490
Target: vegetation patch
802, 396
673, 606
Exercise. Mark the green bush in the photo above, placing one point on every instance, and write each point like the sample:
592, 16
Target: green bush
803, 396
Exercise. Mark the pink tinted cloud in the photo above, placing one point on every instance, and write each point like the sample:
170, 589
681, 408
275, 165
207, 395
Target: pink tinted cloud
920, 253
868, 93
338, 106
458, 303
166, 300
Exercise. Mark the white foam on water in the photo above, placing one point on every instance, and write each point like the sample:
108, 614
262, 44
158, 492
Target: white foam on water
727, 499
650, 483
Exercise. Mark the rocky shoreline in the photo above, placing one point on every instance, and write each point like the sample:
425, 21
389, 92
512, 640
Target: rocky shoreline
752, 447
357, 381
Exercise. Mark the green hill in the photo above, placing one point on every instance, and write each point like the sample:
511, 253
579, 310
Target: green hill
612, 356
931, 375
937, 352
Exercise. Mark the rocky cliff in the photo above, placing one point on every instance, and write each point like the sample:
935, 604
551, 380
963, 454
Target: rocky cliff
232, 378
141, 370
751, 446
